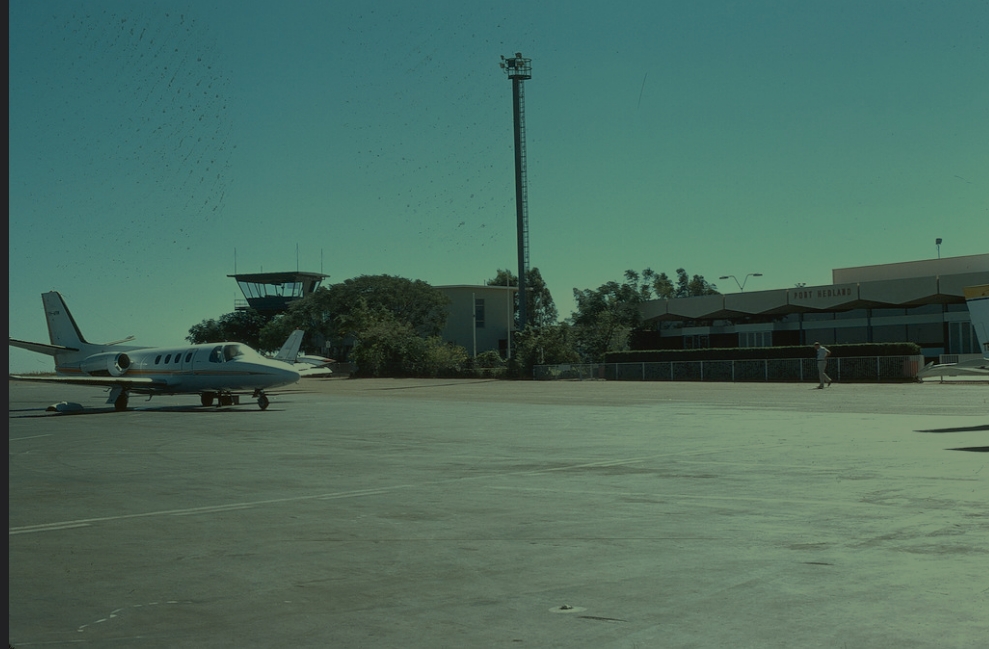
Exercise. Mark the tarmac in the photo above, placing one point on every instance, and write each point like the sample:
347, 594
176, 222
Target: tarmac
402, 513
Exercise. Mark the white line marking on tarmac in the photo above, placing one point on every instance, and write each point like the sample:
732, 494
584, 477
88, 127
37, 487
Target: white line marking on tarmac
191, 511
117, 611
48, 527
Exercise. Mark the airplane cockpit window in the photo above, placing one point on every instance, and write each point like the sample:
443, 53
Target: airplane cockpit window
230, 352
188, 357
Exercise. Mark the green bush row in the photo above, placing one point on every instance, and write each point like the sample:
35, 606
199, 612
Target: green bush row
758, 353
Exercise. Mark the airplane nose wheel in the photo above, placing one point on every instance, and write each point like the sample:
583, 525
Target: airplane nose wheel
263, 401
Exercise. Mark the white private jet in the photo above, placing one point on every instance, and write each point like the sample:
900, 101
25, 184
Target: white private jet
216, 371
307, 366
977, 299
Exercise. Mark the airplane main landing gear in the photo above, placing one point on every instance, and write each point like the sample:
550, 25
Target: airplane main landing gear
220, 398
120, 403
226, 399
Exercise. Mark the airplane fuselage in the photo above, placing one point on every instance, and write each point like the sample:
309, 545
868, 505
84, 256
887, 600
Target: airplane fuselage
213, 370
218, 367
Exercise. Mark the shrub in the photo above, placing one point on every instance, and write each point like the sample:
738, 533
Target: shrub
758, 353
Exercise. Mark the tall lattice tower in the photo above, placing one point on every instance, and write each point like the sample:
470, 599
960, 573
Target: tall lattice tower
519, 69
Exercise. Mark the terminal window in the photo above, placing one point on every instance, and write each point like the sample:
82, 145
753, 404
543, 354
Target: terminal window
479, 313
755, 339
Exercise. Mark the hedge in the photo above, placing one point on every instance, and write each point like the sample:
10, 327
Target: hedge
759, 353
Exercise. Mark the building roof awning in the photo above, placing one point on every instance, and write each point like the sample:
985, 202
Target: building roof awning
954, 285
839, 297
888, 293
899, 292
760, 302
698, 308
655, 310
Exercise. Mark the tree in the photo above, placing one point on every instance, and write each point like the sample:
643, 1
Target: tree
383, 345
641, 283
312, 313
386, 346
694, 286
605, 316
383, 311
278, 329
413, 302
341, 310
700, 286
240, 326
548, 345
663, 287
540, 309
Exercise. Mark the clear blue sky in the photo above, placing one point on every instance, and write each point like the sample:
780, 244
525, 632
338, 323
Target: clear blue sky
149, 141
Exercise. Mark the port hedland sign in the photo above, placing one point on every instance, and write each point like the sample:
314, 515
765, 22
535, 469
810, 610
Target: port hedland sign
823, 297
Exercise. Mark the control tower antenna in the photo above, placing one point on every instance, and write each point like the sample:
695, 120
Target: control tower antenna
518, 70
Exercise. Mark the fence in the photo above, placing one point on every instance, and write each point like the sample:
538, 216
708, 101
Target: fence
854, 369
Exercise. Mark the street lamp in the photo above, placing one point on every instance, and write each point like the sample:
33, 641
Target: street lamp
741, 286
937, 242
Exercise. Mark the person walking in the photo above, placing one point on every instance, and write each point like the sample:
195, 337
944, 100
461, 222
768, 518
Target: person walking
822, 365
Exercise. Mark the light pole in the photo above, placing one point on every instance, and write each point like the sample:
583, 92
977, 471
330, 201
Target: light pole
937, 242
519, 69
741, 286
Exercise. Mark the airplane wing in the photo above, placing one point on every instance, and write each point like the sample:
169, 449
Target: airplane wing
119, 342
106, 382
315, 361
976, 367
311, 371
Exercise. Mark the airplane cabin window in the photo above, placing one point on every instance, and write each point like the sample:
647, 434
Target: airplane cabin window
168, 357
188, 357
157, 359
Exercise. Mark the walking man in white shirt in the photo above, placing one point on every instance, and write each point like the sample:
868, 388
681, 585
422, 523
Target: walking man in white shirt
822, 364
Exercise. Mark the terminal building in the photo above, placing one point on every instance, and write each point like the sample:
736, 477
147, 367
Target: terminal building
922, 302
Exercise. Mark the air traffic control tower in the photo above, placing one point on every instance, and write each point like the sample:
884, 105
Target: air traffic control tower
271, 293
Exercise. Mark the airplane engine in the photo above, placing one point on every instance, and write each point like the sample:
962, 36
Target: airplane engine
108, 364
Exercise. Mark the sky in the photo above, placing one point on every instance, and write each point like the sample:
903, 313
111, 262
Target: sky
157, 147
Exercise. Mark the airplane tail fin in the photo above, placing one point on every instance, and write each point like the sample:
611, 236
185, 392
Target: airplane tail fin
62, 328
67, 343
977, 298
290, 350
